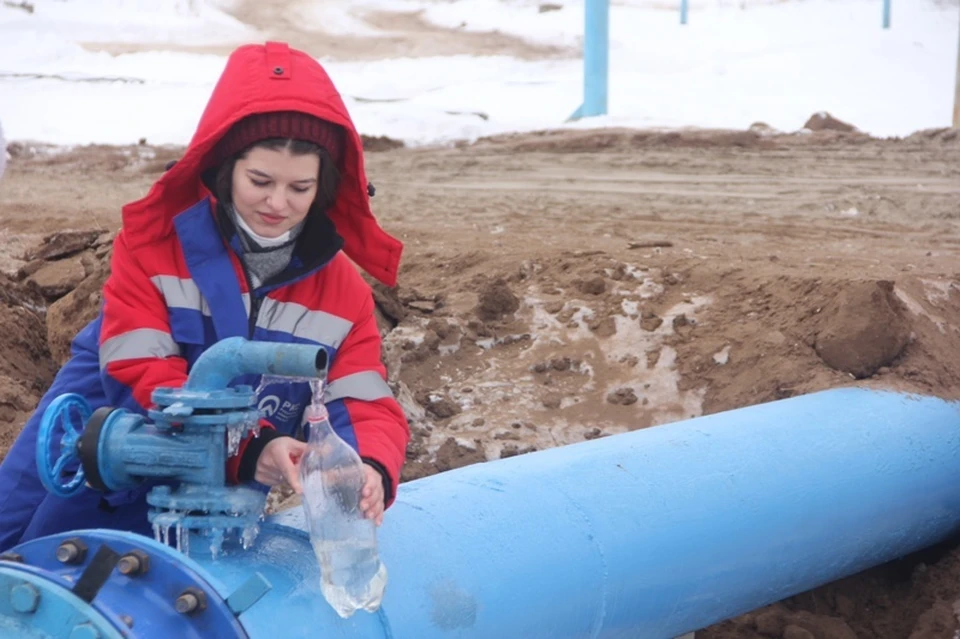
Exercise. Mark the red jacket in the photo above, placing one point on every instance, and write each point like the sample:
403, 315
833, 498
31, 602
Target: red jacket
178, 285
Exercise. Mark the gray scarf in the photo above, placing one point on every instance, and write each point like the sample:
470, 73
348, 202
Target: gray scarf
264, 262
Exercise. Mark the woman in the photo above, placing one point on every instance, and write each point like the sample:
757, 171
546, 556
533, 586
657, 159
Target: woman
249, 234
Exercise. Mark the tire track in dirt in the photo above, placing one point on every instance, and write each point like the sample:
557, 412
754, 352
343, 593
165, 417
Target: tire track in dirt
389, 34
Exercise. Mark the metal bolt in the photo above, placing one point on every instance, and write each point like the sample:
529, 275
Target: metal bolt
72, 551
278, 70
134, 563
24, 598
84, 631
12, 556
127, 620
187, 603
190, 601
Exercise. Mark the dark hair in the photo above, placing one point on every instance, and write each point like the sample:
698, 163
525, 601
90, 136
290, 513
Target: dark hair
327, 182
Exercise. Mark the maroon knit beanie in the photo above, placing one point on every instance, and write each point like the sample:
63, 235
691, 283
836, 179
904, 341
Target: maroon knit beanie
281, 124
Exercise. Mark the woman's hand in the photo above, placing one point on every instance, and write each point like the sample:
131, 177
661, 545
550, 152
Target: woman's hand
371, 497
280, 461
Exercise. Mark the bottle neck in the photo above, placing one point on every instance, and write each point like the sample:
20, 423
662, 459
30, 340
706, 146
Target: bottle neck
318, 421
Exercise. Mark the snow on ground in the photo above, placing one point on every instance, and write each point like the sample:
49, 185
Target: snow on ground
735, 63
139, 21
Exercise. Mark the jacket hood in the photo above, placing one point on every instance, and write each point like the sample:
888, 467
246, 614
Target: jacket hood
263, 79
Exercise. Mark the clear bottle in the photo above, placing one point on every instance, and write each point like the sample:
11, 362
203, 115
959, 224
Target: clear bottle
352, 577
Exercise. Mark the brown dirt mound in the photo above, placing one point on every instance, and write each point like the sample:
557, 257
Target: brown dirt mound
823, 121
496, 300
68, 270
373, 144
911, 598
586, 141
26, 368
865, 328
760, 342
945, 136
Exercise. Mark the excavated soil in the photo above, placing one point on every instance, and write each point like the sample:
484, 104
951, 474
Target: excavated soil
565, 286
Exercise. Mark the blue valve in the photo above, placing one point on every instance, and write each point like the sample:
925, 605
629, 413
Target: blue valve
63, 420
179, 449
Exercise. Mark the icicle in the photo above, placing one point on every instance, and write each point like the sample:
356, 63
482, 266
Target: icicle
183, 538
179, 535
216, 542
249, 536
235, 433
267, 380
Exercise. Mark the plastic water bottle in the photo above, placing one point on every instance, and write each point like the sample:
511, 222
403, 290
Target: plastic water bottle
352, 577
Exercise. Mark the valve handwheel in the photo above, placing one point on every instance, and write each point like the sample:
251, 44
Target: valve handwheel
63, 420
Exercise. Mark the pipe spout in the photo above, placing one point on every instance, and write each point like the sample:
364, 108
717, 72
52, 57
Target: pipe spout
236, 356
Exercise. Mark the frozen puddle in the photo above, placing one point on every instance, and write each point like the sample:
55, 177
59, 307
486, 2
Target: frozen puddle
565, 379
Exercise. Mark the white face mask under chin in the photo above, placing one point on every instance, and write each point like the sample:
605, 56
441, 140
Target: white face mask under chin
261, 241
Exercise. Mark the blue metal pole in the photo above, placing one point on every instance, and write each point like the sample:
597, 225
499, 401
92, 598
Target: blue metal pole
683, 11
596, 57
886, 14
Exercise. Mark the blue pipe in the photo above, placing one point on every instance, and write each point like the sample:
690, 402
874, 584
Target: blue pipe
648, 534
235, 356
667, 530
684, 8
886, 14
596, 57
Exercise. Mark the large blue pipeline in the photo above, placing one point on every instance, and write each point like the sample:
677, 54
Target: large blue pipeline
652, 533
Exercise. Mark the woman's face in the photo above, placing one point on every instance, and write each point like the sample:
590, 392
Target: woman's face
273, 189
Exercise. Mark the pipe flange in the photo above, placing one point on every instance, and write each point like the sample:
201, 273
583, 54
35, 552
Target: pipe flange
225, 399
89, 444
108, 610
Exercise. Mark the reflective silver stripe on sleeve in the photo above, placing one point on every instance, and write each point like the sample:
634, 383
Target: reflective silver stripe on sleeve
138, 344
183, 293
180, 293
367, 386
299, 321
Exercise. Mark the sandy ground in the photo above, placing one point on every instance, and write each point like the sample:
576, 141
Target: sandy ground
558, 287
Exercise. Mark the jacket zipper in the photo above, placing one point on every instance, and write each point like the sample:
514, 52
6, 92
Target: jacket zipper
265, 287
255, 301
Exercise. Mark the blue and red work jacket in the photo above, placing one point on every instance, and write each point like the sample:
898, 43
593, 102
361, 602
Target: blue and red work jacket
178, 285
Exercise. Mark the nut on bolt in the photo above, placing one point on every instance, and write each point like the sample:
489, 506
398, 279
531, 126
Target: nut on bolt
72, 551
24, 598
191, 601
134, 563
84, 631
